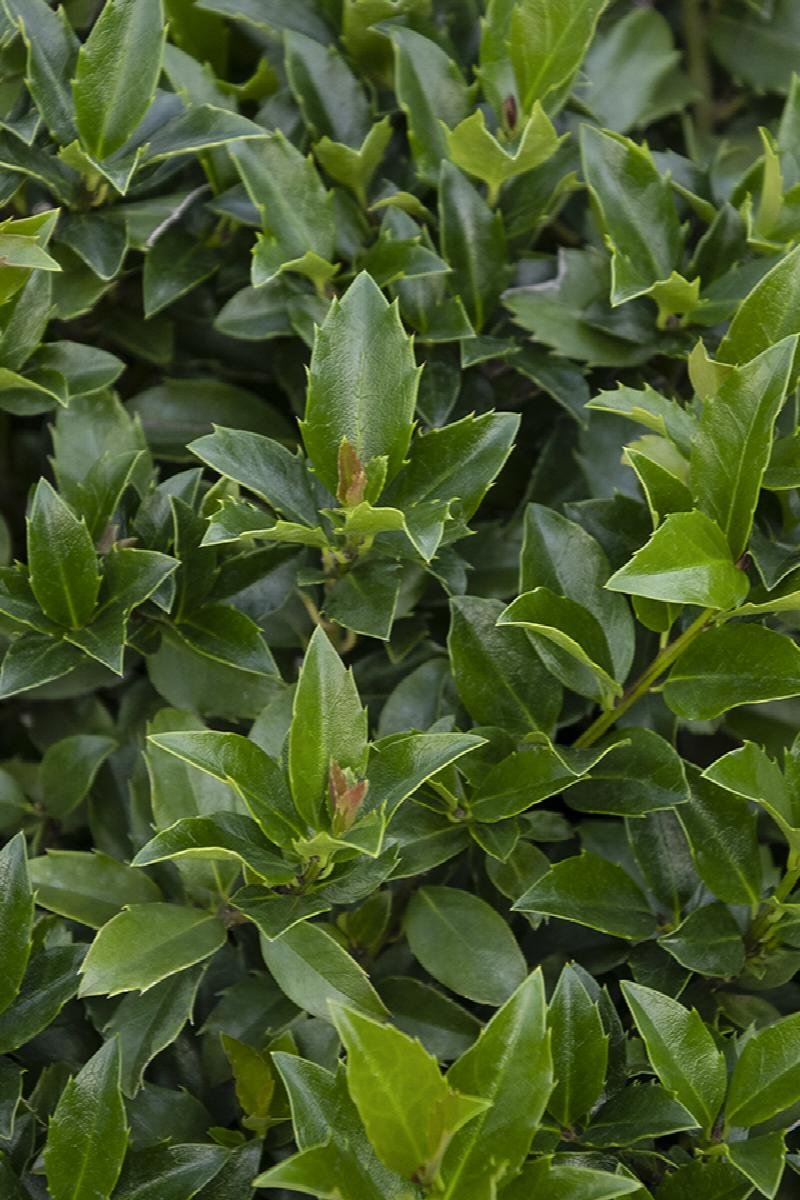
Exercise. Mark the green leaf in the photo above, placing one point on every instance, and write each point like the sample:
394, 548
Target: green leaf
69, 768
568, 638
217, 838
10, 1096
638, 1112
88, 1132
35, 659
580, 1049
62, 560
761, 1160
365, 599
731, 665
639, 773
528, 776
638, 212
88, 887
473, 244
457, 462
767, 315
147, 943
328, 724
263, 466
499, 676
275, 914
681, 1050
464, 944
630, 75
50, 981
511, 1068
686, 561
401, 763
362, 383
237, 762
52, 51
408, 1109
560, 555
733, 443
709, 941
311, 968
145, 1023
749, 772
546, 44
178, 1171
594, 892
565, 1182
16, 918
721, 830
765, 1080
431, 92
117, 72
330, 97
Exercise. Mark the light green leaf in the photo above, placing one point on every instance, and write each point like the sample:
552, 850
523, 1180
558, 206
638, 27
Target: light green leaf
478, 152
766, 315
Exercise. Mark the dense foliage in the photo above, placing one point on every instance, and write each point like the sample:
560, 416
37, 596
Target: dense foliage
399, 783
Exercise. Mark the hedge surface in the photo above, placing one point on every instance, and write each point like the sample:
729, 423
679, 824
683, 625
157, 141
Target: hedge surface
399, 788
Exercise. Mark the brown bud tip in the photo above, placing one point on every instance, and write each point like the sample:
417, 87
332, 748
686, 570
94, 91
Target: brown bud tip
352, 476
510, 113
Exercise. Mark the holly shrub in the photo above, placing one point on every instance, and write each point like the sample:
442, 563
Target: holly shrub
399, 590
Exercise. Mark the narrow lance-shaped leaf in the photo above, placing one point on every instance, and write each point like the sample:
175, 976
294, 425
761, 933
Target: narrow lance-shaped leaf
328, 723
362, 383
61, 559
88, 1132
732, 447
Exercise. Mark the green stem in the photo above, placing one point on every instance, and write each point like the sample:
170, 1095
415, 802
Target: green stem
661, 663
694, 36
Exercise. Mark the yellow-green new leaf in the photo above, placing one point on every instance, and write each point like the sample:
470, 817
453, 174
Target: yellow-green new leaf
409, 1110
478, 152
511, 1068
